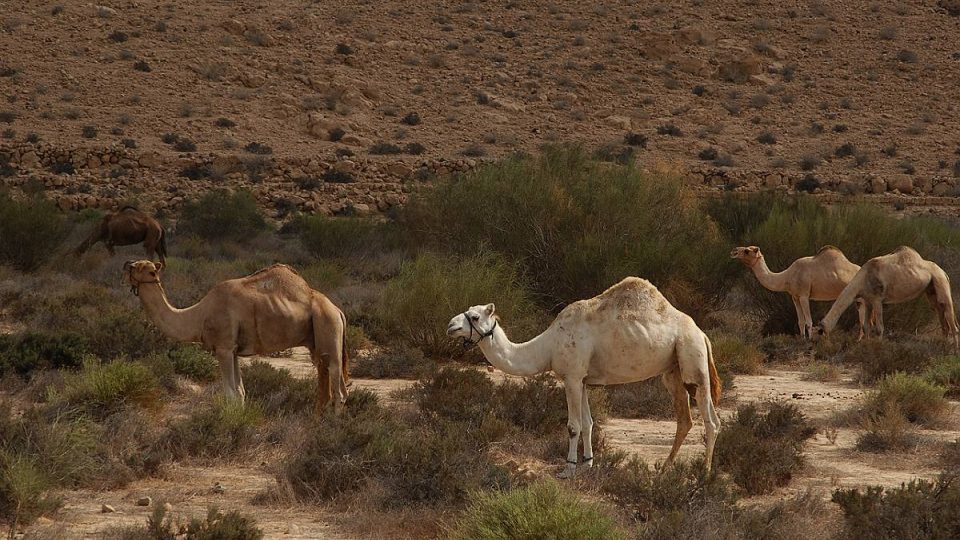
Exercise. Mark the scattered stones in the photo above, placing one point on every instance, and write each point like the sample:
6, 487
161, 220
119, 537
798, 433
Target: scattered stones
107, 509
144, 501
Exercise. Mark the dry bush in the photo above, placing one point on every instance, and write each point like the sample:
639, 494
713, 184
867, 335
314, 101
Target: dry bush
31, 230
542, 510
224, 428
99, 390
645, 399
918, 400
276, 391
945, 371
879, 358
215, 526
222, 215
762, 451
887, 432
400, 362
920, 509
736, 355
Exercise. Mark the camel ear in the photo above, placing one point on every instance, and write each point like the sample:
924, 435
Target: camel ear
127, 265
160, 266
490, 308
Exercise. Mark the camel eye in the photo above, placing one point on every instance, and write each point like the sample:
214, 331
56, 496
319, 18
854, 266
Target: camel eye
475, 317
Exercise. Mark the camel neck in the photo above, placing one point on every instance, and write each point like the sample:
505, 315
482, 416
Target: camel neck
523, 359
773, 281
178, 324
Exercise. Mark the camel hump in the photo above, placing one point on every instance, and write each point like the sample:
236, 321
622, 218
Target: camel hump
275, 267
828, 247
905, 249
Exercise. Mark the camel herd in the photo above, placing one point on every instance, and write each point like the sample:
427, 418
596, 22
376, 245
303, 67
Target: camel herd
628, 333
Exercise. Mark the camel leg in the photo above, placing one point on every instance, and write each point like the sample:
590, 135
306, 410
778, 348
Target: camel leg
807, 319
877, 318
587, 429
226, 358
238, 379
693, 357
800, 321
681, 408
861, 317
110, 249
328, 342
323, 385
574, 391
711, 421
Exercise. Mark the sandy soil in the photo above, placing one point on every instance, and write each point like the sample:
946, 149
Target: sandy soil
190, 489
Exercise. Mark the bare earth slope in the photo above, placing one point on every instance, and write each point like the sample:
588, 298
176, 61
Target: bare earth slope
860, 94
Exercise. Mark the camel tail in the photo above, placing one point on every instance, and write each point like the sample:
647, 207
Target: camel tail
345, 353
716, 385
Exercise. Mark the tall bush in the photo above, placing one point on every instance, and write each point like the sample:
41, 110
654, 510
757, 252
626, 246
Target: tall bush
31, 230
220, 214
575, 226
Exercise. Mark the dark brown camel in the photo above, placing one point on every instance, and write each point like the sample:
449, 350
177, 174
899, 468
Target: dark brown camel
126, 227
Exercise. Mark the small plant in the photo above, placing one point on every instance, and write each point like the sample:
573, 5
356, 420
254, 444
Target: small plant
225, 123
809, 183
141, 65
737, 356
338, 177
184, 145
767, 138
887, 432
763, 451
7, 117
845, 150
809, 162
399, 363
411, 119
344, 49
414, 149
128, 143
102, 389
258, 148
543, 510
474, 150
916, 399
339, 237
907, 56
220, 429
708, 154
89, 132
117, 36
669, 129
277, 391
383, 148
635, 139
212, 71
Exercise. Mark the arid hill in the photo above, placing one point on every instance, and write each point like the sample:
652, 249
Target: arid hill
324, 106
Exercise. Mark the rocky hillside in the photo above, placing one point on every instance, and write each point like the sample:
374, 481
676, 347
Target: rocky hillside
340, 106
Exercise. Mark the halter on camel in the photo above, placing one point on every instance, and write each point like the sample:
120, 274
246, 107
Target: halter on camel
135, 287
467, 343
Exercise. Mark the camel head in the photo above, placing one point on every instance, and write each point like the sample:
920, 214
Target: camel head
474, 324
747, 255
136, 273
818, 331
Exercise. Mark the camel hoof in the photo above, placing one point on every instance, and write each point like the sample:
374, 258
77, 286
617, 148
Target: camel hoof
567, 473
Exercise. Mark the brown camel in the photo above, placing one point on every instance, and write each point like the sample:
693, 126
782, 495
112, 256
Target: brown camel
268, 311
820, 277
892, 279
126, 227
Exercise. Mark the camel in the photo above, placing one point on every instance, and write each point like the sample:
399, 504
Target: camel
898, 277
268, 311
126, 227
820, 277
628, 333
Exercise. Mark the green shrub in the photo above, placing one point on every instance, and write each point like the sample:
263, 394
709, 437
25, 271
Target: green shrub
395, 363
31, 230
193, 362
276, 390
459, 395
346, 237
101, 389
736, 355
920, 401
879, 358
761, 451
574, 226
23, 491
417, 305
920, 509
25, 353
822, 372
945, 372
542, 510
224, 428
220, 214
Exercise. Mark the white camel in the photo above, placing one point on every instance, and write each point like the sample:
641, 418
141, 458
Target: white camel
629, 333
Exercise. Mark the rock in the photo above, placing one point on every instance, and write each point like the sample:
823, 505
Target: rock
218, 488
259, 37
355, 140
620, 122
693, 66
251, 80
878, 185
696, 36
107, 509
168, 507
345, 166
901, 183
93, 162
104, 11
29, 160
234, 26
398, 169
293, 529
658, 46
144, 501
774, 52
150, 160
739, 69
941, 189
362, 209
